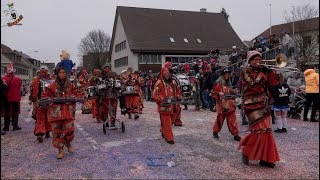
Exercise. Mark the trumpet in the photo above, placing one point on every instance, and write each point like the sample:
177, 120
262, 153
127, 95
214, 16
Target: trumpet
281, 61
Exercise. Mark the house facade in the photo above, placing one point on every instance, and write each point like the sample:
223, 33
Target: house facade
24, 69
145, 39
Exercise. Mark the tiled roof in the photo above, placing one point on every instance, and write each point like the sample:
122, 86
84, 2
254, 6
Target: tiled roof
150, 30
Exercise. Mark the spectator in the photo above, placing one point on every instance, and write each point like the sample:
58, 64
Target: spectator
287, 44
281, 94
3, 90
207, 86
149, 85
294, 82
12, 99
312, 93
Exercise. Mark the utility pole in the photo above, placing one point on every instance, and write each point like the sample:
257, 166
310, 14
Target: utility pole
270, 20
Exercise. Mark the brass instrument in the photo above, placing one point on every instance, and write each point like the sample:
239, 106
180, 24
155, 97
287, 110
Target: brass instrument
281, 61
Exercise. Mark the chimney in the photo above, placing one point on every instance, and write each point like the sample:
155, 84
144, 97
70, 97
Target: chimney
203, 10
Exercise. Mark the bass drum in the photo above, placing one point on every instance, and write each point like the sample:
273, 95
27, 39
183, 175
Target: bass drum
91, 92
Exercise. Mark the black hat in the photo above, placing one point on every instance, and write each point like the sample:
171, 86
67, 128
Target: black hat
226, 71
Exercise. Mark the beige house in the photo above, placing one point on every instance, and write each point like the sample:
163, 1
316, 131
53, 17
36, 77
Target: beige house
145, 38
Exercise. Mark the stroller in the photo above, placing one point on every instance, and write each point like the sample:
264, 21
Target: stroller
297, 105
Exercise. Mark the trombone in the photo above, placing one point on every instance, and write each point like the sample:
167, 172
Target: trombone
281, 61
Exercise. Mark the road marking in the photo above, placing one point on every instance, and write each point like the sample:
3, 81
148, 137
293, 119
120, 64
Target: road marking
94, 144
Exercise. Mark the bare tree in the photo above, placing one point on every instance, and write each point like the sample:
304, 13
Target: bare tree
305, 39
96, 45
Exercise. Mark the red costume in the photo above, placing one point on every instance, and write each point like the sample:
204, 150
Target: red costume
166, 88
259, 144
84, 81
95, 103
109, 97
37, 88
61, 116
225, 108
177, 121
133, 100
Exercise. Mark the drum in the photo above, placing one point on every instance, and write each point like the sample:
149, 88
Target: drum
117, 84
130, 90
92, 92
44, 102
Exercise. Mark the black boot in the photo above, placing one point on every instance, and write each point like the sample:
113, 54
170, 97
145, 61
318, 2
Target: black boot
284, 130
16, 128
40, 138
47, 135
266, 164
237, 138
245, 159
215, 135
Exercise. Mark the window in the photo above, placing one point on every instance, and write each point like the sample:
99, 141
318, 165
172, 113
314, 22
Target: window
185, 40
172, 40
149, 59
121, 46
121, 62
199, 40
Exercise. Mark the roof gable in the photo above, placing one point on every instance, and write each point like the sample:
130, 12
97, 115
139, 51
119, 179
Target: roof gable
151, 30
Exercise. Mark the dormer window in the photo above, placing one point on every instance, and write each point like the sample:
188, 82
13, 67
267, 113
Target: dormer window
185, 40
172, 40
199, 40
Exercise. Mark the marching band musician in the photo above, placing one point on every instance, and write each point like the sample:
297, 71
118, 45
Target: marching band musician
34, 104
164, 88
141, 82
84, 81
109, 100
132, 100
225, 107
62, 115
256, 83
42, 125
177, 121
95, 106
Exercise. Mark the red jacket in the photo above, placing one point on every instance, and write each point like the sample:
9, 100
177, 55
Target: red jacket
14, 91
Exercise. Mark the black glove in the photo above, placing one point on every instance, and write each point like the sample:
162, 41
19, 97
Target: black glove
264, 69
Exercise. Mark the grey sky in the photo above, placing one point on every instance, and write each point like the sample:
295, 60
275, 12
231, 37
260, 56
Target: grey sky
50, 26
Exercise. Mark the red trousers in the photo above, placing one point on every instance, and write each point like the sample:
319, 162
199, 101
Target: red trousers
62, 132
132, 103
109, 108
96, 109
177, 119
166, 125
231, 121
42, 123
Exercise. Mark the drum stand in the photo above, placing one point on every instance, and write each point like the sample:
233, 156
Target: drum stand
105, 124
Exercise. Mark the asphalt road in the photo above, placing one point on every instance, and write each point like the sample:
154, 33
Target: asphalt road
142, 153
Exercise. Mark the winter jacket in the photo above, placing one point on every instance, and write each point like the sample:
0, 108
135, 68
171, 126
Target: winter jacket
67, 64
14, 93
281, 94
312, 81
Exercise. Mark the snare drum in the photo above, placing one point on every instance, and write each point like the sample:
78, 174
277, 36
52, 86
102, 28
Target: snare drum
92, 92
130, 90
117, 84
